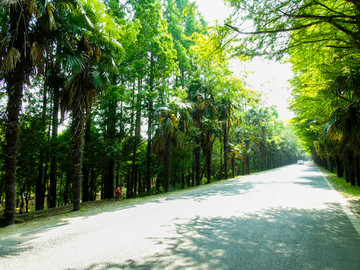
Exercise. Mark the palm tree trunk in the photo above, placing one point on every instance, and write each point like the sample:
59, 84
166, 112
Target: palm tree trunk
14, 91
349, 167
339, 167
357, 169
331, 164
19, 23
85, 168
77, 141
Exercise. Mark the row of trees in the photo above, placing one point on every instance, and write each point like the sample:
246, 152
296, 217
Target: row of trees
151, 103
321, 39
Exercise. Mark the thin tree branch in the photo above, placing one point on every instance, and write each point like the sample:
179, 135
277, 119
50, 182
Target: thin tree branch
307, 16
272, 31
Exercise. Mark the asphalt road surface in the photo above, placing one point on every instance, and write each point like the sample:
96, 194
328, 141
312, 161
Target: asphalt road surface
287, 218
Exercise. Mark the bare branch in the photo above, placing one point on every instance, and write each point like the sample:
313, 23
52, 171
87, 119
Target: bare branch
273, 31
324, 18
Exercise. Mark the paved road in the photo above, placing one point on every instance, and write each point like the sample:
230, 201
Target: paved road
288, 218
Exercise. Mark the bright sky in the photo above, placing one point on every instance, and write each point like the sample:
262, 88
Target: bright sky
269, 78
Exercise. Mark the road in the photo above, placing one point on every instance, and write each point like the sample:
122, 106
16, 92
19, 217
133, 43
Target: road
287, 218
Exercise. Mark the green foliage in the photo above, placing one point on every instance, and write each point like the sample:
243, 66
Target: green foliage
339, 183
151, 85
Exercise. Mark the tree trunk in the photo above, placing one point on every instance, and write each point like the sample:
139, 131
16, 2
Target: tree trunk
331, 164
357, 169
226, 150
150, 119
22, 204
40, 183
85, 168
137, 135
77, 130
111, 137
182, 180
167, 159
129, 178
93, 187
233, 165
339, 167
208, 159
27, 199
349, 167
39, 191
221, 157
14, 91
149, 148
197, 161
67, 185
19, 22
54, 151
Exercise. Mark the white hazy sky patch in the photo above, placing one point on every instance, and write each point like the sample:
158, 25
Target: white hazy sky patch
268, 77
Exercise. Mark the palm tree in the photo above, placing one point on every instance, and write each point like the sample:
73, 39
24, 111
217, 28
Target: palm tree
20, 55
86, 78
166, 132
344, 128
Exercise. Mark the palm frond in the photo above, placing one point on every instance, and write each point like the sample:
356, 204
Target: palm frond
50, 11
11, 59
98, 79
7, 3
74, 63
37, 56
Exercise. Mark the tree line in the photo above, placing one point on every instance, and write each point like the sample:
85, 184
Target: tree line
321, 40
137, 94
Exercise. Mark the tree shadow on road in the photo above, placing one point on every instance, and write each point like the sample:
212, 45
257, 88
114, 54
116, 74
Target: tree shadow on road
273, 239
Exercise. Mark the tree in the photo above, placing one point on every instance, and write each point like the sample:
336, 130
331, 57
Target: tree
85, 79
21, 54
168, 131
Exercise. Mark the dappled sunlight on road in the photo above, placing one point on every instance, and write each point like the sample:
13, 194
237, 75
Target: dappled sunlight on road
286, 218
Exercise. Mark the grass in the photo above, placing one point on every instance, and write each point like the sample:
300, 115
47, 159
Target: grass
351, 193
95, 206
340, 184
61, 210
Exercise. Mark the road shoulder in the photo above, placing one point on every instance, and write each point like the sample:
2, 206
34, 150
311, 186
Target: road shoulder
350, 206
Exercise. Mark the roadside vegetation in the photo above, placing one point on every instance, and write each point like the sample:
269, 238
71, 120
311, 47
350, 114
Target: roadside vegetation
321, 40
340, 184
350, 192
137, 95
